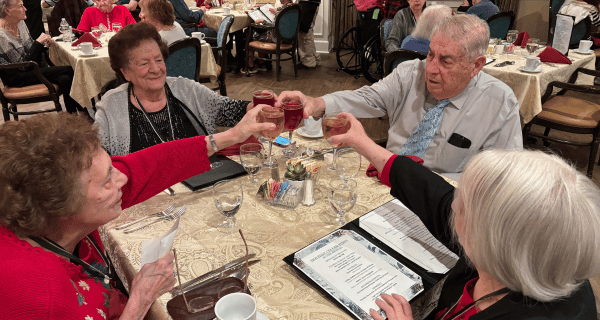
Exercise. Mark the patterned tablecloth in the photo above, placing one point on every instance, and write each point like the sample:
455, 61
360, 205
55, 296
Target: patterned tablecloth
92, 73
213, 18
530, 87
272, 233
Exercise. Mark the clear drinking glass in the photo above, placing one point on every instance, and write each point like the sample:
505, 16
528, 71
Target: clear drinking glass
273, 115
228, 196
96, 32
348, 165
252, 157
116, 26
511, 36
532, 45
342, 197
293, 110
332, 126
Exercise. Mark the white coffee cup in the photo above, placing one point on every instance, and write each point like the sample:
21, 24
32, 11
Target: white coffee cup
499, 49
312, 126
86, 48
235, 306
585, 45
199, 35
226, 10
532, 63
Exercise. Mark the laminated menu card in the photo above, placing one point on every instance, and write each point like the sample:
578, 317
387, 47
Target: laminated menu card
388, 250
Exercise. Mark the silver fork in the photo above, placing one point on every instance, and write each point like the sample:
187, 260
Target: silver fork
163, 213
169, 217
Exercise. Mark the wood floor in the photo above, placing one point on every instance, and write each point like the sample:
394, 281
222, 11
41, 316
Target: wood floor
325, 79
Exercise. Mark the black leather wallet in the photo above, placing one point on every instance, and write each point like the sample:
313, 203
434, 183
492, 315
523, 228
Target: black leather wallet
228, 170
459, 141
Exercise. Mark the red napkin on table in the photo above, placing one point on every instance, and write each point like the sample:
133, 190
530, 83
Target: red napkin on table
234, 150
87, 37
552, 55
524, 40
520, 38
596, 41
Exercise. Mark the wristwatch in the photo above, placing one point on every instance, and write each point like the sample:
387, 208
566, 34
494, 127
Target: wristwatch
213, 143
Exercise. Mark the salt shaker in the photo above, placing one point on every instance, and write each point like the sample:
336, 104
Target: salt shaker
308, 199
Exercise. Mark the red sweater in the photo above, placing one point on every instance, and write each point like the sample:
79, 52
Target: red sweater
93, 17
37, 284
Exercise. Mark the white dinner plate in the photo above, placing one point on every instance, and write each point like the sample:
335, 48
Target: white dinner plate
538, 70
81, 54
302, 132
584, 52
260, 316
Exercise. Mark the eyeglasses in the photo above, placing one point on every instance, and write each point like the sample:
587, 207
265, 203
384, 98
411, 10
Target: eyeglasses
204, 303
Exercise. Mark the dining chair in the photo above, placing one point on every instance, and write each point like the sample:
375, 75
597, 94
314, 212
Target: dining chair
71, 10
500, 23
569, 114
10, 97
394, 58
286, 32
581, 31
220, 52
184, 59
384, 32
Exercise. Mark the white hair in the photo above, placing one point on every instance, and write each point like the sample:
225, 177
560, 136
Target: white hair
531, 221
430, 17
4, 4
467, 29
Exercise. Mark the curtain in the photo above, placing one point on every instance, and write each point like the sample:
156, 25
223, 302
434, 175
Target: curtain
508, 5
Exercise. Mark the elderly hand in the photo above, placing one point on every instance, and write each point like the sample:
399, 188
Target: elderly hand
249, 124
203, 8
312, 106
153, 280
45, 39
356, 137
395, 307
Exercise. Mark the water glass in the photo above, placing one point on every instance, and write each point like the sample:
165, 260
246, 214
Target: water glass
228, 196
342, 197
275, 116
348, 166
252, 157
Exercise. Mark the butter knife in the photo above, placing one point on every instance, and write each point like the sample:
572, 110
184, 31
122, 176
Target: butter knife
219, 270
227, 273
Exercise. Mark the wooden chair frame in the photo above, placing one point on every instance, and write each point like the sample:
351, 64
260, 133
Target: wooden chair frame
186, 43
220, 53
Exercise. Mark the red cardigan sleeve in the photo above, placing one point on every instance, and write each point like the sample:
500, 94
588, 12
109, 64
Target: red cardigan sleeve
385, 173
154, 169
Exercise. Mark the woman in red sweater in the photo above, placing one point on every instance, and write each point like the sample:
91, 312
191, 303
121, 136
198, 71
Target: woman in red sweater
103, 15
57, 186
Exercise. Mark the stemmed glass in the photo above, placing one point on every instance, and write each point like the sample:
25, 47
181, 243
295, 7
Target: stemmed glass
96, 32
228, 196
272, 115
293, 110
251, 157
511, 36
333, 126
347, 166
342, 197
263, 97
532, 45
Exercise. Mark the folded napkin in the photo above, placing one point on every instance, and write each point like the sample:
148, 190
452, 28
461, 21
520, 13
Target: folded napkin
552, 55
87, 37
596, 41
234, 150
522, 39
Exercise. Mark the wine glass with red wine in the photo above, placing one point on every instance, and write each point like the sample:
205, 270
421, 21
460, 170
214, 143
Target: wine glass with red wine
293, 110
263, 97
276, 116
332, 126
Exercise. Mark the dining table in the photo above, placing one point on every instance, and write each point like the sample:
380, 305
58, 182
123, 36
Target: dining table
93, 72
272, 233
214, 16
530, 86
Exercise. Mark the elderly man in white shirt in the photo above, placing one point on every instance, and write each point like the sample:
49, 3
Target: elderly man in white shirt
477, 111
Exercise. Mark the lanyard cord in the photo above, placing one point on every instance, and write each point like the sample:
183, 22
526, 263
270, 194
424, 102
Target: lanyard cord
472, 304
58, 249
160, 136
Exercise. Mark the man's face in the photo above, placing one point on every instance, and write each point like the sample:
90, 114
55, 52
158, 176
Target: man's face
448, 72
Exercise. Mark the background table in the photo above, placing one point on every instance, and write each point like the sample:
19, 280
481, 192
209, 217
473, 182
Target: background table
93, 73
213, 18
530, 87
272, 233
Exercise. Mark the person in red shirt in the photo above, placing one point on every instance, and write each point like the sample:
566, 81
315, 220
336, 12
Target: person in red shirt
103, 15
59, 187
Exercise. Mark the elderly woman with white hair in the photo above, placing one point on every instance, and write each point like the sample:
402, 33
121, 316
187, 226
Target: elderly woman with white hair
525, 222
418, 40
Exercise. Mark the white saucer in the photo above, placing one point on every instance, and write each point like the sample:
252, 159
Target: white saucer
303, 133
260, 316
538, 70
81, 54
583, 52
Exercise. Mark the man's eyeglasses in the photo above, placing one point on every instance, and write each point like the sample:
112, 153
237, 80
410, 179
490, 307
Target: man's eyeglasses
204, 303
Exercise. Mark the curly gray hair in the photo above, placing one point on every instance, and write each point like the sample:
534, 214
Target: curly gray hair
469, 30
4, 4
